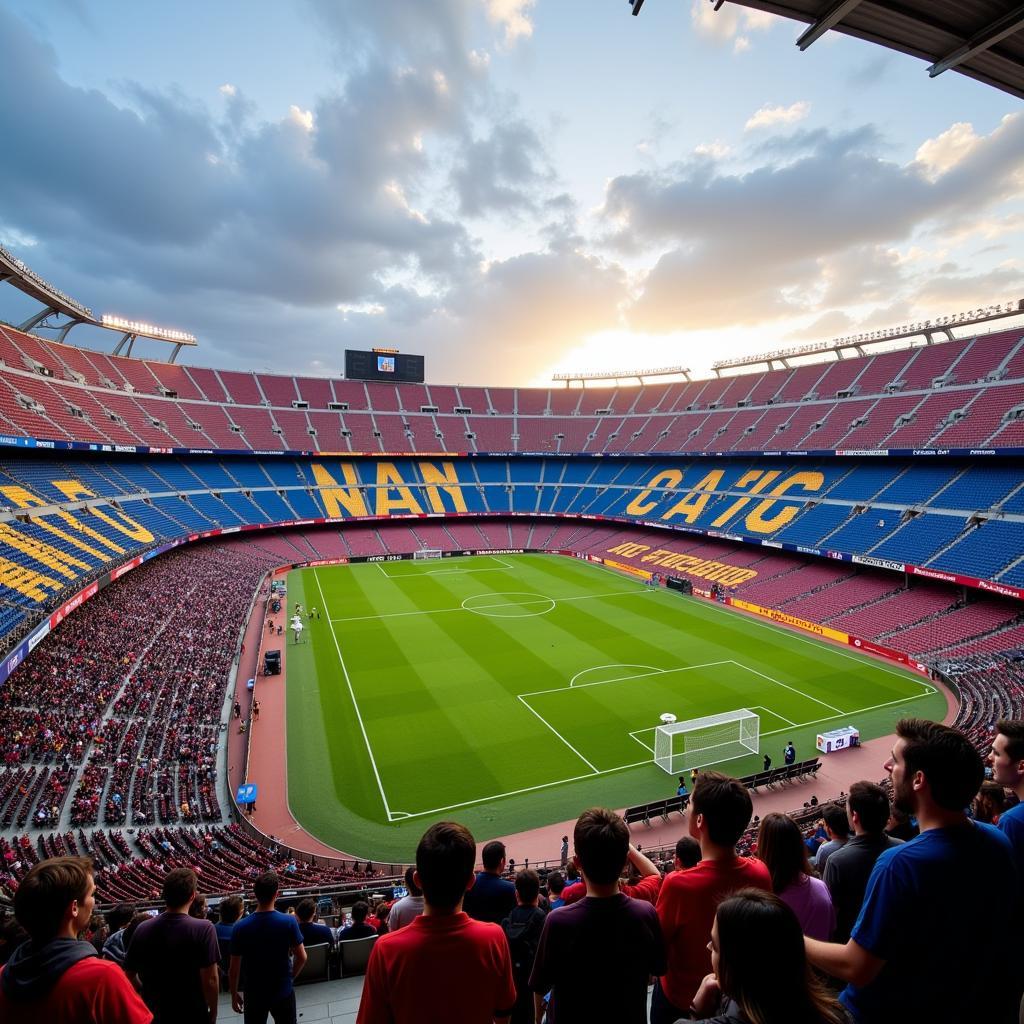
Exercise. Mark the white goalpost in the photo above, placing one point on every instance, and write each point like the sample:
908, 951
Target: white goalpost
702, 741
425, 553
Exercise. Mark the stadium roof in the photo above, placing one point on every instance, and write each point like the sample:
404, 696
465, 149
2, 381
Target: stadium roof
983, 39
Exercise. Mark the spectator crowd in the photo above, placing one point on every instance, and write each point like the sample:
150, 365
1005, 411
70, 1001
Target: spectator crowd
903, 905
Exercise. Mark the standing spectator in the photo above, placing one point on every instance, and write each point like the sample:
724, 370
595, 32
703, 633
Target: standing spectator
228, 911
54, 976
176, 957
563, 854
767, 763
929, 945
1007, 762
410, 906
837, 828
444, 966
358, 929
989, 803
118, 919
492, 897
848, 870
260, 946
522, 928
780, 846
595, 956
759, 969
313, 934
789, 754
720, 810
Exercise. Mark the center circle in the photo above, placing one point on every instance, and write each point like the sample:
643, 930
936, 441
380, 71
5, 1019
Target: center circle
497, 606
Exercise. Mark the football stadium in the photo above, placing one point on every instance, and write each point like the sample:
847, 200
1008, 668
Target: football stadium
688, 686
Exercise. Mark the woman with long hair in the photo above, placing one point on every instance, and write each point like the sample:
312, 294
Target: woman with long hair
760, 973
781, 848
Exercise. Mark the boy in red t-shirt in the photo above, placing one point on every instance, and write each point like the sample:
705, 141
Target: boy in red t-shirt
54, 976
720, 810
443, 966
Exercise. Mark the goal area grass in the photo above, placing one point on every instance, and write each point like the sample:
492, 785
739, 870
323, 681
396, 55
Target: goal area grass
512, 691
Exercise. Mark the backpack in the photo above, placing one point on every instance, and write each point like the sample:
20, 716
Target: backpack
522, 928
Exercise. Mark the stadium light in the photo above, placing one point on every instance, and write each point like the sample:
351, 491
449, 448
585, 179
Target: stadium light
995, 311
661, 371
117, 323
31, 276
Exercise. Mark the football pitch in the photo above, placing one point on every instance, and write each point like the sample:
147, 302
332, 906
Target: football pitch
511, 691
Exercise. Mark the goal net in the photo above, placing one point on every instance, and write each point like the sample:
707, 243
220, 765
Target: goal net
424, 553
704, 741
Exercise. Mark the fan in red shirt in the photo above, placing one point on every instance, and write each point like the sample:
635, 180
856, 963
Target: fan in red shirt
54, 976
719, 813
444, 966
645, 888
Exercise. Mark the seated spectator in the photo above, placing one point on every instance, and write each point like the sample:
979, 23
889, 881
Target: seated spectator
383, 918
759, 971
522, 928
409, 907
687, 854
54, 976
555, 884
358, 929
720, 810
606, 936
849, 869
118, 919
176, 957
781, 848
313, 933
837, 827
492, 897
444, 965
931, 943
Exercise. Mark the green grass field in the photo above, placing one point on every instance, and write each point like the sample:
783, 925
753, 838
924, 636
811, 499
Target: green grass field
512, 691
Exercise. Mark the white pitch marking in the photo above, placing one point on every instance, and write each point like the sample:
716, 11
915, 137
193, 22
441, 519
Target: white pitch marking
617, 664
772, 679
440, 611
560, 736
622, 679
355, 704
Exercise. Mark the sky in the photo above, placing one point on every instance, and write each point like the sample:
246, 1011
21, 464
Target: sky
512, 188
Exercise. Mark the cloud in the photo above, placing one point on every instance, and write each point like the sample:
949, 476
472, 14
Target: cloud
799, 233
513, 17
768, 116
720, 25
939, 155
227, 89
502, 172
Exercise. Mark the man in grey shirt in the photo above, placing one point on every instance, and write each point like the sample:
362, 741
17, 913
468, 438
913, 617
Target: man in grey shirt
837, 827
408, 908
848, 869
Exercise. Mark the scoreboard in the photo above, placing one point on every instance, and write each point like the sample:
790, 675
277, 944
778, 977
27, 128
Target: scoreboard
383, 364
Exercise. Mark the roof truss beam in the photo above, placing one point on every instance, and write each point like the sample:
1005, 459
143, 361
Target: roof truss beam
835, 14
1002, 27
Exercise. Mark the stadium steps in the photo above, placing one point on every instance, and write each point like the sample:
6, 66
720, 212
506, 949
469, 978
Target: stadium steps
1006, 627
863, 604
1009, 568
953, 543
904, 626
818, 589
